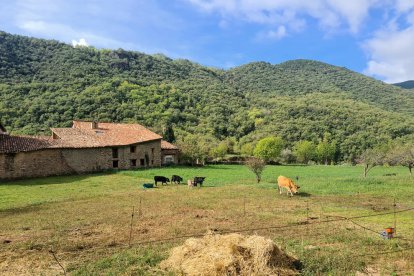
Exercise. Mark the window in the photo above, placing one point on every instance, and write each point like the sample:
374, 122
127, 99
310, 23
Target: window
152, 162
114, 153
142, 162
152, 151
115, 164
133, 162
133, 149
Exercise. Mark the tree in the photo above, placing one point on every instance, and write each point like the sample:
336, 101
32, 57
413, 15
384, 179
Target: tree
269, 148
247, 149
325, 151
256, 165
371, 158
220, 151
195, 148
168, 134
402, 155
304, 151
286, 156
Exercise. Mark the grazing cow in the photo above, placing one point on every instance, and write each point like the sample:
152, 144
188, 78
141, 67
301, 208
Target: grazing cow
176, 179
161, 179
288, 184
198, 180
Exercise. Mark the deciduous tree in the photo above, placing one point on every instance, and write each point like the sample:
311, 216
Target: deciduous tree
402, 155
257, 166
325, 150
371, 158
269, 148
304, 151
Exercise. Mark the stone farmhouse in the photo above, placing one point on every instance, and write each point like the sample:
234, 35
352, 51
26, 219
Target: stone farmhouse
83, 148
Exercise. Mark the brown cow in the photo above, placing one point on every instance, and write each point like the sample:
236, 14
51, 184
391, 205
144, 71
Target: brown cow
288, 184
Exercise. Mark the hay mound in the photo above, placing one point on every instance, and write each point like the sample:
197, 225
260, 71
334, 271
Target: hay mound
232, 254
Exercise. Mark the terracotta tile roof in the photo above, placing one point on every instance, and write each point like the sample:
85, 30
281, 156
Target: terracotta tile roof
81, 135
15, 144
168, 146
89, 134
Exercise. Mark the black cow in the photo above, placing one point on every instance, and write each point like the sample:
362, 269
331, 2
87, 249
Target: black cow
198, 180
161, 179
176, 179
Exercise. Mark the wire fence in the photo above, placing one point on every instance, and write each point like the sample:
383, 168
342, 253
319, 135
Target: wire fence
275, 227
309, 222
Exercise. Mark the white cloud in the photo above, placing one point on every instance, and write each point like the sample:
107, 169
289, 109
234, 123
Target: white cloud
277, 34
404, 5
97, 22
82, 42
330, 14
353, 11
390, 53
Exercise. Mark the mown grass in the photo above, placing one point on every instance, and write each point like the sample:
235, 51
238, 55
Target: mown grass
86, 219
321, 180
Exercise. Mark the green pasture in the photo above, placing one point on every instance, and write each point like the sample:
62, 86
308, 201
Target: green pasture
314, 180
86, 219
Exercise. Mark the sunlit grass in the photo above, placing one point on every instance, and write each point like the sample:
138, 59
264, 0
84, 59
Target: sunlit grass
86, 218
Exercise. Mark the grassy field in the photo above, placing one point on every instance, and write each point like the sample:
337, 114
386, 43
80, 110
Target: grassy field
86, 220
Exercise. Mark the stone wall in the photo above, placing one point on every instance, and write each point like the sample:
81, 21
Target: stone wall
33, 164
71, 161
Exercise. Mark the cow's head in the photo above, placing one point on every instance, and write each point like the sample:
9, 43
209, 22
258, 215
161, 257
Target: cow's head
167, 179
294, 187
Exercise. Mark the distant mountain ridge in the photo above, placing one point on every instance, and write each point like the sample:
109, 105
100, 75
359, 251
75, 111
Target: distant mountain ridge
45, 83
406, 84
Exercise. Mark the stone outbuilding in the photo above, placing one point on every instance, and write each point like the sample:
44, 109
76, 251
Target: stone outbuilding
85, 147
170, 154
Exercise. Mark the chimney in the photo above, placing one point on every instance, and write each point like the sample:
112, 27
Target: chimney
94, 125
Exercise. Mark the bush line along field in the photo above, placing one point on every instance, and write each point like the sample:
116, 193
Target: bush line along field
86, 219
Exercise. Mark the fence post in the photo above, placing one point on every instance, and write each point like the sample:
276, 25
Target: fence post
244, 206
140, 207
395, 217
130, 231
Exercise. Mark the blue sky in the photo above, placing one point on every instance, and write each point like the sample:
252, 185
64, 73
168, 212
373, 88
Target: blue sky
373, 37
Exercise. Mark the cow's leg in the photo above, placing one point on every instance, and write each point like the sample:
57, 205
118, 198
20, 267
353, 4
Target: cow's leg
280, 190
290, 192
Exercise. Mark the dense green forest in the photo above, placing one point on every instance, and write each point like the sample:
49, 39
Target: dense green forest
406, 84
46, 83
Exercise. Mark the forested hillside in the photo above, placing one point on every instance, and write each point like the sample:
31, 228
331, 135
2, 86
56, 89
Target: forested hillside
46, 83
406, 84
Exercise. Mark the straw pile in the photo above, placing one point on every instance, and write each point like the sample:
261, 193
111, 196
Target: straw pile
232, 254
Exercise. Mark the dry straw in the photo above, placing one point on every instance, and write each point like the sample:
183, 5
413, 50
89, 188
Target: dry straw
232, 254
